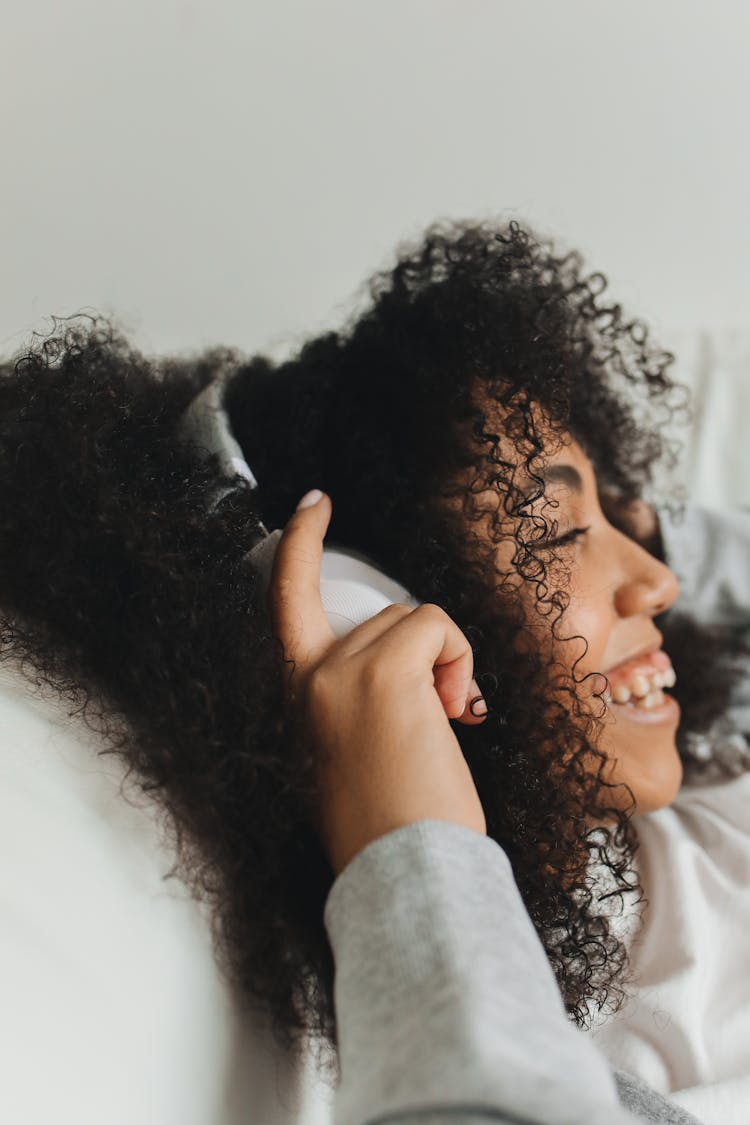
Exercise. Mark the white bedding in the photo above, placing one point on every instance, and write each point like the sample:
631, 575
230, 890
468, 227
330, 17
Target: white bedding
74, 850
686, 1028
114, 1011
715, 462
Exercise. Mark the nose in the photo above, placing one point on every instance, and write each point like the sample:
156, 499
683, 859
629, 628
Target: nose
647, 585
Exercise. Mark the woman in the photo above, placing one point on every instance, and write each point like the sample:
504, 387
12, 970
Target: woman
446, 424
129, 606
127, 592
486, 429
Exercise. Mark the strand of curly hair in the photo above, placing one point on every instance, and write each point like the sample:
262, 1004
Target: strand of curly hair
123, 594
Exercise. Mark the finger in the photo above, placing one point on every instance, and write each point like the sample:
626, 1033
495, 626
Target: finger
475, 711
457, 688
294, 598
369, 631
444, 677
428, 638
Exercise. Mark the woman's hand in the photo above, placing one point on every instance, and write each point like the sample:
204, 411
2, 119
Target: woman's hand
376, 702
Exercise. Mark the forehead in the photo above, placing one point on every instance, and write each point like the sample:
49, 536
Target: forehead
533, 455
564, 469
558, 483
520, 430
520, 463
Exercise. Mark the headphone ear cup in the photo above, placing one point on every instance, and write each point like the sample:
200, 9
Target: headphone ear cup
352, 589
348, 604
262, 555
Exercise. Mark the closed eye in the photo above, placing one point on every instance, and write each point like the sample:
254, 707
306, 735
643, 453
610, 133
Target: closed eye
564, 540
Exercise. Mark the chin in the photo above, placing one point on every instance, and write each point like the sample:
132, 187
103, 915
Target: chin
651, 771
656, 788
645, 758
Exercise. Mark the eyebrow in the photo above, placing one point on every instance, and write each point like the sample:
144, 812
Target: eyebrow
562, 474
558, 473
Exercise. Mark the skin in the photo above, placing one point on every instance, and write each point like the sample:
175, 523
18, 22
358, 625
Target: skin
389, 685
616, 588
397, 679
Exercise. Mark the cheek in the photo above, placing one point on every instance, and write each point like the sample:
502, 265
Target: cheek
590, 617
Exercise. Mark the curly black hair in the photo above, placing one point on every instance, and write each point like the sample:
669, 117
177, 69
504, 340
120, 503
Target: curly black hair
389, 416
127, 593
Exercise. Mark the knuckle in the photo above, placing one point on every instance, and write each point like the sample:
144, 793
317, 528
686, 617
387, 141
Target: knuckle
319, 680
395, 609
320, 688
375, 675
280, 587
430, 609
431, 612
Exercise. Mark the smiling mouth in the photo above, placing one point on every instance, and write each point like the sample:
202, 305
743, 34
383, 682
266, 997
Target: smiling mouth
639, 683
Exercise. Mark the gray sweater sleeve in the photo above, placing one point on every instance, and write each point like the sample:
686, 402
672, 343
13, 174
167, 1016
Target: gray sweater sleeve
447, 1009
446, 1005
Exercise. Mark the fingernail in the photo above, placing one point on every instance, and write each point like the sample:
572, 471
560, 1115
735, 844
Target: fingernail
478, 707
309, 499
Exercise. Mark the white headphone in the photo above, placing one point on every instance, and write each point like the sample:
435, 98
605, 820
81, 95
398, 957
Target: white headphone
352, 588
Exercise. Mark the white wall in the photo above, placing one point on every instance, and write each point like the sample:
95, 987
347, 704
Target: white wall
231, 170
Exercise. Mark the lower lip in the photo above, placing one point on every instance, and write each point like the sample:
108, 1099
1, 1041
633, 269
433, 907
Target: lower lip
667, 712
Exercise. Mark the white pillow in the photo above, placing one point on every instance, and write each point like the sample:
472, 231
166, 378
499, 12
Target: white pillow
715, 462
113, 1010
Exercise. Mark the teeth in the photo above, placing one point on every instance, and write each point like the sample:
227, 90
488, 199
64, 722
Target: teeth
667, 678
639, 686
644, 690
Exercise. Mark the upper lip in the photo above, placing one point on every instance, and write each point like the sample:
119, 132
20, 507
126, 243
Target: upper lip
645, 650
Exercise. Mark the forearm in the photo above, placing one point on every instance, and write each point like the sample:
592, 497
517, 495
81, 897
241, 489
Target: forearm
447, 1008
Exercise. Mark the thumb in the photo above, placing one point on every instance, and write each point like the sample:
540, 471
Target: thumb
294, 594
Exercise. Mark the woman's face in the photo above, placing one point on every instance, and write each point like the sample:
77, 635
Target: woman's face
616, 588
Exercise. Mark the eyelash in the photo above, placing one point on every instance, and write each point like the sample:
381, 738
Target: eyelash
564, 540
